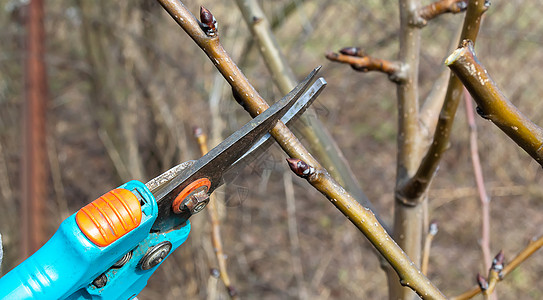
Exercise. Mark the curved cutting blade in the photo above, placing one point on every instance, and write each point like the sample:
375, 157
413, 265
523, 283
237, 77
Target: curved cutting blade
216, 162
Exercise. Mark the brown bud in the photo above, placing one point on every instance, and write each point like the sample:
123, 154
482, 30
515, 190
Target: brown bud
497, 262
300, 167
352, 51
483, 284
208, 22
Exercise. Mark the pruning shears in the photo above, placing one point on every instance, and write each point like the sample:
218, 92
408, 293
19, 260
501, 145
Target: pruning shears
109, 248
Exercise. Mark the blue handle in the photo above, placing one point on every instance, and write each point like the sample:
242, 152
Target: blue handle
67, 264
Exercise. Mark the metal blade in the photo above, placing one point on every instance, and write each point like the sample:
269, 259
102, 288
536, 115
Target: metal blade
292, 115
216, 162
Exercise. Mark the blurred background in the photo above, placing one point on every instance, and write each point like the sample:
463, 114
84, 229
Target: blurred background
126, 86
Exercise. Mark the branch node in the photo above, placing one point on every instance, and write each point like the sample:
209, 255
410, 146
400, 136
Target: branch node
481, 281
215, 273
256, 20
353, 51
433, 229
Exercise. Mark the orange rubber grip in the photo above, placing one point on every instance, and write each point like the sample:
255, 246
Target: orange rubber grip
108, 218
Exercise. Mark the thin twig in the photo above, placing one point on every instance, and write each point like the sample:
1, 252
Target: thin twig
432, 231
359, 61
216, 239
293, 236
440, 7
114, 155
522, 256
494, 275
429, 112
493, 105
366, 222
478, 170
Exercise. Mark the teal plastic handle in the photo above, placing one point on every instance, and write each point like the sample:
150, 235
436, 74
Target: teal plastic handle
66, 266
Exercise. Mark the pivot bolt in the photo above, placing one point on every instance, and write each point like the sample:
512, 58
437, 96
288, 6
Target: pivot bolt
100, 281
123, 260
155, 255
196, 202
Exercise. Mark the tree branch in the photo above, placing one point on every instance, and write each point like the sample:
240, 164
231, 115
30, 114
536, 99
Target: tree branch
440, 7
216, 238
365, 221
418, 184
493, 105
478, 172
432, 231
359, 61
429, 112
522, 256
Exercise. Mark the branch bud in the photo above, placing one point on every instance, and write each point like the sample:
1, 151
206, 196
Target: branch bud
197, 131
300, 167
353, 51
433, 229
483, 284
208, 22
215, 272
462, 5
497, 262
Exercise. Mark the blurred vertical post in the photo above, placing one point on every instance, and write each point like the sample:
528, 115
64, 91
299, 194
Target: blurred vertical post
33, 171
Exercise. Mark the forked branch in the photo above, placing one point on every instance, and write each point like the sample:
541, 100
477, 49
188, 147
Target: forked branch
532, 247
418, 184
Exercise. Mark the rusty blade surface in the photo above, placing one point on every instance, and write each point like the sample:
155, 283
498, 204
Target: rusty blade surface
218, 160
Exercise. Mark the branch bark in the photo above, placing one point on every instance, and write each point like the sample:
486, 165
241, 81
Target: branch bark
408, 218
493, 105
